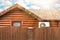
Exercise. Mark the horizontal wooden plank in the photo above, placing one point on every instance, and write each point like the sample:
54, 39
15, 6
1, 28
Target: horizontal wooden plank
30, 22
4, 24
16, 13
13, 15
4, 19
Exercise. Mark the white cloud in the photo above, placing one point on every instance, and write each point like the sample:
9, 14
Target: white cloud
1, 10
57, 5
43, 4
6, 4
35, 4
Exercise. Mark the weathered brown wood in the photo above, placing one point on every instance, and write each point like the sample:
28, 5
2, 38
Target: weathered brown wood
30, 34
9, 33
58, 33
12, 33
26, 19
52, 33
53, 24
38, 34
49, 36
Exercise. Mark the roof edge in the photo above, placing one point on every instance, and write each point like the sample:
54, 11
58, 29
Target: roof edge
20, 7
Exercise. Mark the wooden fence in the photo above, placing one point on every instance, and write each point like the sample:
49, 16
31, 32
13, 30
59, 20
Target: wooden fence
51, 33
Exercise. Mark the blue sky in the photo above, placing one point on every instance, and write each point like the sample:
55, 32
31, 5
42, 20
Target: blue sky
31, 4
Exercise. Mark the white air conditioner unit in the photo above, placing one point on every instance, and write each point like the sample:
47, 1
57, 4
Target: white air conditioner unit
44, 24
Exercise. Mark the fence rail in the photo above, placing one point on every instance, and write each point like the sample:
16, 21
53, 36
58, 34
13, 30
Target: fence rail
51, 33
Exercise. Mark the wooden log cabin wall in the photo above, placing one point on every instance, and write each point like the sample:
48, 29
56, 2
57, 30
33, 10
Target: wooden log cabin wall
15, 16
14, 20
55, 23
19, 16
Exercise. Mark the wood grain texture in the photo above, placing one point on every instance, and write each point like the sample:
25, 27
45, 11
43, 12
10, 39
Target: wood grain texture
12, 33
18, 15
52, 33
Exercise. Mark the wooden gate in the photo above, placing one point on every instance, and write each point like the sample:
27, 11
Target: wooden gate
8, 33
